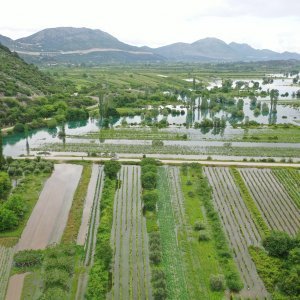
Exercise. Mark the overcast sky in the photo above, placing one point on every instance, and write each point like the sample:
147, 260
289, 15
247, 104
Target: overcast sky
273, 24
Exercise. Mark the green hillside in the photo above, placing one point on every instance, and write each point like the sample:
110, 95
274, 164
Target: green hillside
17, 77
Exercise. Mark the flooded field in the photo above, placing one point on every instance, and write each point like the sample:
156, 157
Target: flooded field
49, 217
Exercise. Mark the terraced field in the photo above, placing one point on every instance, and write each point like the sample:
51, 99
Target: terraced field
275, 204
239, 226
131, 269
6, 257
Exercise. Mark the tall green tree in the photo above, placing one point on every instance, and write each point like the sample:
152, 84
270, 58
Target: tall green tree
1, 150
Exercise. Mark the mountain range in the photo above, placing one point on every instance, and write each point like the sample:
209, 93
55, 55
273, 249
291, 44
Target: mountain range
70, 45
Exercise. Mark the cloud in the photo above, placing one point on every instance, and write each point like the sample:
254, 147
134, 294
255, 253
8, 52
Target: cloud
263, 24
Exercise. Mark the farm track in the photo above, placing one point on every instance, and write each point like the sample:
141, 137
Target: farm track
89, 226
131, 267
172, 256
275, 204
6, 259
239, 226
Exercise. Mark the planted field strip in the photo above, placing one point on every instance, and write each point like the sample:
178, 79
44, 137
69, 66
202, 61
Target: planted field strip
6, 258
91, 201
131, 268
172, 257
275, 204
90, 222
290, 179
239, 226
197, 266
48, 219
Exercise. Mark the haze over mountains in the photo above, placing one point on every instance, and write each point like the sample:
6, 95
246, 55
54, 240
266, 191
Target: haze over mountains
83, 45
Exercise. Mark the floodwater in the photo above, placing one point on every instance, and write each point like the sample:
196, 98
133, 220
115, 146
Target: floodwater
17, 144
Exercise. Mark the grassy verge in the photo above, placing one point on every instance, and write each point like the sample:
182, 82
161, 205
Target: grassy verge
201, 257
29, 189
74, 219
250, 203
100, 274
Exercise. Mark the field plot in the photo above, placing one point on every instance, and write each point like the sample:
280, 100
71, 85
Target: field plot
290, 179
172, 256
199, 257
6, 257
239, 226
92, 195
48, 219
131, 269
87, 235
275, 204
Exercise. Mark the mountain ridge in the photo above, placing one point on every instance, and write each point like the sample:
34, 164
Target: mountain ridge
94, 46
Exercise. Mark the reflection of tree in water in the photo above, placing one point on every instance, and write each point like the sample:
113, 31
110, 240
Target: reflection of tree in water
62, 134
274, 94
26, 131
272, 118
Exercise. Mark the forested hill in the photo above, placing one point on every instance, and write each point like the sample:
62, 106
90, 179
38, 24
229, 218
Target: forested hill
17, 77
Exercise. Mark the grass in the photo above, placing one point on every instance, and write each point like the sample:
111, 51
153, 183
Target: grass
250, 203
172, 256
279, 134
268, 267
74, 219
183, 150
204, 252
32, 286
29, 189
134, 134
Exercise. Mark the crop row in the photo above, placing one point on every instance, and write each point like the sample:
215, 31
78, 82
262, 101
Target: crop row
290, 179
6, 257
278, 209
131, 269
239, 227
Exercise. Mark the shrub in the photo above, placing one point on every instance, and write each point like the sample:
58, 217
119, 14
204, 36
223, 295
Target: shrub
203, 237
57, 278
149, 180
217, 282
8, 219
28, 258
155, 257
111, 168
5, 185
150, 199
54, 294
199, 226
233, 282
278, 244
